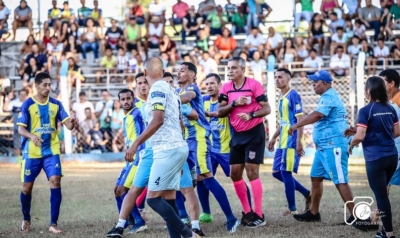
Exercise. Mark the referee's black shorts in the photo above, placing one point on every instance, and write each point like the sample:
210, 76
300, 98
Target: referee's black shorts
248, 146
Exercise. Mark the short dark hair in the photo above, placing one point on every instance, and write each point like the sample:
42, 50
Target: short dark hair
40, 77
339, 28
191, 67
333, 13
24, 90
125, 90
138, 75
82, 94
216, 76
285, 70
391, 75
339, 47
168, 74
381, 39
88, 108
313, 50
377, 89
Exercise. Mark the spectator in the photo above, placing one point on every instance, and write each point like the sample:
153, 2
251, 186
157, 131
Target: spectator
352, 7
46, 38
26, 48
209, 64
122, 63
80, 107
203, 41
395, 51
117, 117
335, 22
370, 15
274, 42
287, 54
253, 17
4, 14
217, 19
67, 13
225, 44
354, 49
108, 62
72, 47
239, 23
263, 6
54, 51
96, 140
90, 41
307, 12
169, 47
301, 48
230, 9
53, 16
386, 3
254, 41
133, 64
132, 34
338, 38
191, 24
340, 63
22, 18
28, 77
8, 95
359, 29
41, 58
244, 56
112, 37
87, 124
83, 14
74, 74
349, 29
63, 33
258, 65
205, 8
313, 63
157, 9
395, 12
74, 30
155, 32
179, 11
97, 16
103, 108
381, 53
369, 57
328, 7
385, 29
137, 12
316, 32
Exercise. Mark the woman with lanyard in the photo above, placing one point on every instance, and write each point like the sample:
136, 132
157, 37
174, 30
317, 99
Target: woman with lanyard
377, 126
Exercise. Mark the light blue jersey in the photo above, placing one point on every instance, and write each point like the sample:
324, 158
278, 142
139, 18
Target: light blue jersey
329, 131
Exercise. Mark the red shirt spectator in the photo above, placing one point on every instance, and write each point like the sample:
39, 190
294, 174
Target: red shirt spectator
180, 9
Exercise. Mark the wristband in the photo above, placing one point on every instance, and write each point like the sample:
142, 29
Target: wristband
233, 104
253, 115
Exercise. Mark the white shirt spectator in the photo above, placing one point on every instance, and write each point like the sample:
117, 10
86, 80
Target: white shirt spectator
360, 32
340, 64
209, 66
157, 9
275, 40
354, 50
55, 49
153, 30
259, 66
381, 53
255, 41
313, 63
335, 38
79, 109
122, 62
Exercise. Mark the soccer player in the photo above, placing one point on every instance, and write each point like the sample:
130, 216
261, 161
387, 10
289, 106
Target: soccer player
221, 132
290, 148
243, 99
197, 136
331, 157
169, 78
37, 123
169, 148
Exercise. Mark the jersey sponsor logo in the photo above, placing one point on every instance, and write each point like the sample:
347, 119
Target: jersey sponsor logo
252, 154
215, 126
158, 107
158, 94
20, 115
27, 172
52, 113
45, 129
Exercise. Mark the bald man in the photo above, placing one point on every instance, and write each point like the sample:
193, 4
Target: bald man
170, 149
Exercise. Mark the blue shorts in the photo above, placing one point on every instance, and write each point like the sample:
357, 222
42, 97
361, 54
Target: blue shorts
186, 178
222, 160
142, 176
177, 20
286, 160
126, 176
199, 154
30, 168
331, 164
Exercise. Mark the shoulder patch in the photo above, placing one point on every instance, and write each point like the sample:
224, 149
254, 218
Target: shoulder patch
298, 107
157, 94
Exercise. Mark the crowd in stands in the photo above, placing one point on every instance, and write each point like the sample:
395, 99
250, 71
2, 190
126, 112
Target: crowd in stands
336, 34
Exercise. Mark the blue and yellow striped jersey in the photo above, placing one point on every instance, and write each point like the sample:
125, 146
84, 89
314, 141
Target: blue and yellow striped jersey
289, 107
138, 102
221, 130
41, 120
132, 127
200, 128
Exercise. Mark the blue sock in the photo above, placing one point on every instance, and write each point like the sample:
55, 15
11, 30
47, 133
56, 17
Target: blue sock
305, 192
288, 180
26, 201
220, 195
136, 216
203, 194
248, 194
180, 203
119, 204
55, 204
142, 204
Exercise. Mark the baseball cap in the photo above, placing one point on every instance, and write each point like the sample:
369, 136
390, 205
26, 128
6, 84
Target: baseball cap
322, 75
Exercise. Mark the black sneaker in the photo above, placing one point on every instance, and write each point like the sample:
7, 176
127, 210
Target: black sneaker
365, 225
246, 218
198, 232
256, 221
116, 232
308, 217
381, 234
349, 221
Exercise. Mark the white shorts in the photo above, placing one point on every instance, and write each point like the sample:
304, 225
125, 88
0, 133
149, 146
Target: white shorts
166, 170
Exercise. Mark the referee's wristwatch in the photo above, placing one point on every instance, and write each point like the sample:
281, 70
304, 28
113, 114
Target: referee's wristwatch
252, 115
233, 104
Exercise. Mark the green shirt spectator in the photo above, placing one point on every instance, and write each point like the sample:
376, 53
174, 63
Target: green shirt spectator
395, 11
215, 19
239, 20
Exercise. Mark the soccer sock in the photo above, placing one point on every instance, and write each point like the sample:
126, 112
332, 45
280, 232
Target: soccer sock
119, 203
289, 189
136, 216
55, 204
26, 201
172, 232
121, 223
257, 189
220, 195
195, 224
141, 200
298, 186
180, 203
169, 215
203, 194
240, 189
278, 176
248, 195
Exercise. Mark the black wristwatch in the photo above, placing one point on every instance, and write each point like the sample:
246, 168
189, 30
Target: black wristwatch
253, 114
233, 104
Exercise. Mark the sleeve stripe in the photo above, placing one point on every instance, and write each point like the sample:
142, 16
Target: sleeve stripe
21, 124
299, 114
65, 119
362, 125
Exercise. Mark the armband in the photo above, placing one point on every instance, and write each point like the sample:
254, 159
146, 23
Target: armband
223, 97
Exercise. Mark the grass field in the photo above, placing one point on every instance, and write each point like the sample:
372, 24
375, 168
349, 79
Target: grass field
88, 208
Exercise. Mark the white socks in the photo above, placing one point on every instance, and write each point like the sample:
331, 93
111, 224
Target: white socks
195, 224
121, 223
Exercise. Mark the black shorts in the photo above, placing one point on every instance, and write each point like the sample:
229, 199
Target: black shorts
248, 146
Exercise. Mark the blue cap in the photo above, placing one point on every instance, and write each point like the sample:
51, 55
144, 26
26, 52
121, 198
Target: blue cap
321, 75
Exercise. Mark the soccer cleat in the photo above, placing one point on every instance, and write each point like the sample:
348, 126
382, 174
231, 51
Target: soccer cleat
199, 232
288, 212
246, 218
206, 218
232, 225
381, 234
365, 225
26, 225
308, 203
256, 221
138, 228
186, 221
308, 217
116, 232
